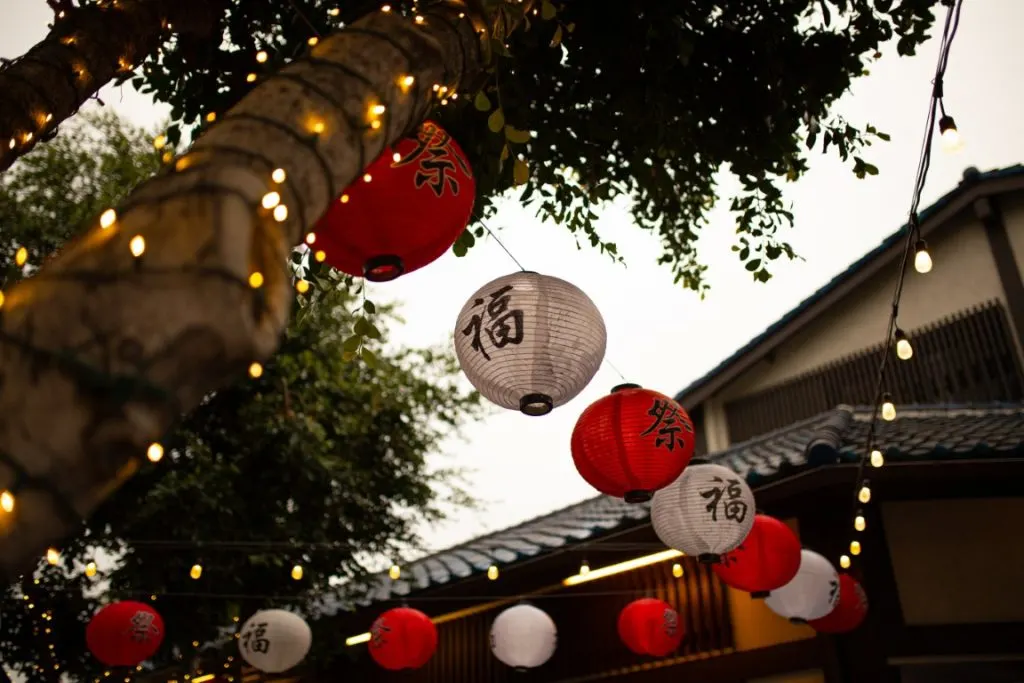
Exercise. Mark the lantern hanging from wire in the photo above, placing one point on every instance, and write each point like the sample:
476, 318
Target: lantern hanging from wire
523, 637
650, 627
811, 594
408, 208
530, 342
768, 558
274, 640
850, 611
124, 633
402, 638
704, 513
632, 442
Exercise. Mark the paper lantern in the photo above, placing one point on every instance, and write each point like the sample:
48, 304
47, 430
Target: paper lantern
124, 633
811, 594
404, 212
402, 638
523, 637
632, 442
849, 612
650, 627
530, 342
274, 640
768, 558
707, 511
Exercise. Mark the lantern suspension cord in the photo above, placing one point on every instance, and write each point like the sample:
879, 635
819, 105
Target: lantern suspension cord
501, 244
305, 19
913, 235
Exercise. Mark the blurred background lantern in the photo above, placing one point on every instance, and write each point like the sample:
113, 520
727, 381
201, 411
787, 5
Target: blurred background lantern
124, 633
530, 342
850, 611
811, 594
768, 558
650, 627
523, 637
405, 211
274, 640
403, 638
632, 442
706, 512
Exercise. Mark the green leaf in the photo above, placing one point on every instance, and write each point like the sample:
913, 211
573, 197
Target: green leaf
369, 307
368, 357
352, 343
517, 136
547, 10
753, 265
505, 152
556, 39
520, 172
482, 102
496, 121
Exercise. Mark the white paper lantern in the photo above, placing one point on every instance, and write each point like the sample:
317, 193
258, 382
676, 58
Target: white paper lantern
274, 640
523, 637
706, 512
812, 594
530, 342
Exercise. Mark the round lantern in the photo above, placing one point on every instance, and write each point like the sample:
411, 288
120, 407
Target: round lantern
523, 637
274, 640
530, 342
402, 638
405, 211
768, 558
849, 612
811, 594
650, 627
632, 442
707, 511
125, 633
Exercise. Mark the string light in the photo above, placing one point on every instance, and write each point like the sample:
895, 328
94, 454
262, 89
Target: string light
256, 279
855, 547
310, 237
108, 218
877, 459
922, 259
21, 256
211, 117
196, 571
251, 78
155, 452
313, 41
7, 501
280, 213
859, 523
297, 572
395, 572
137, 246
677, 570
344, 199
302, 286
90, 569
278, 176
270, 200
864, 495
888, 408
261, 56
159, 142
492, 573
844, 561
405, 82
949, 134
366, 178
320, 256
584, 568
52, 556
904, 351
255, 370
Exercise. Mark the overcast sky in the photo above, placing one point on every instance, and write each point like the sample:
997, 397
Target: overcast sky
659, 335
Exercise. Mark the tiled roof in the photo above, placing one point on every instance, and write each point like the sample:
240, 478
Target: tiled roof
838, 435
971, 178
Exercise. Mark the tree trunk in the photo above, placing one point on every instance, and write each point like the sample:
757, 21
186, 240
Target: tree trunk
101, 351
87, 47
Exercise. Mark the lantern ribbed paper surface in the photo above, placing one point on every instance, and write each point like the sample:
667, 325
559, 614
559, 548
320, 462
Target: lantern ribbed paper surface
632, 442
768, 558
523, 637
274, 640
813, 592
401, 214
402, 638
707, 511
124, 633
850, 611
650, 627
530, 342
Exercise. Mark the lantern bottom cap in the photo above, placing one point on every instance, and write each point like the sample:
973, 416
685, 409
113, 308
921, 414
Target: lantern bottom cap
536, 405
709, 558
383, 268
760, 595
635, 497
625, 385
797, 620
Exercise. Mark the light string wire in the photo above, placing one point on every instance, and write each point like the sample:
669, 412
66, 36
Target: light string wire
861, 491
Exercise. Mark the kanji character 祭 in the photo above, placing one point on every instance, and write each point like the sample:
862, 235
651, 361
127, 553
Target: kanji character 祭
437, 160
143, 628
667, 424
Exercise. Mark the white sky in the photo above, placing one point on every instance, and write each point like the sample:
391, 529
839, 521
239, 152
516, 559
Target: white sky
659, 335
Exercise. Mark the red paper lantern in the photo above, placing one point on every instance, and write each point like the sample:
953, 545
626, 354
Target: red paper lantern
650, 627
125, 633
407, 209
403, 638
768, 558
849, 612
632, 442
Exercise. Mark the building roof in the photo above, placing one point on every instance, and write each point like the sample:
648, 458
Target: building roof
836, 436
971, 180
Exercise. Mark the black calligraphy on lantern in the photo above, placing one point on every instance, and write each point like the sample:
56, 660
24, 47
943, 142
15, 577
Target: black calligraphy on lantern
503, 324
671, 622
143, 628
667, 424
833, 590
437, 161
378, 633
729, 558
727, 496
254, 638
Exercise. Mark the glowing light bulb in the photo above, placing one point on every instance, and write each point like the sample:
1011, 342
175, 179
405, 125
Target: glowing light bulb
297, 572
313, 40
405, 82
395, 572
278, 176
344, 199
90, 569
888, 408
159, 141
251, 78
855, 547
375, 124
419, 19
377, 109
677, 570
211, 117
877, 459
7, 501
196, 571
904, 351
334, 11
320, 256
270, 200
844, 561
155, 452
280, 213
262, 56
302, 286
584, 568
922, 259
137, 246
864, 495
492, 573
367, 177
108, 218
385, 8
858, 523
255, 370
310, 237
21, 256
396, 157
52, 556
256, 279
951, 140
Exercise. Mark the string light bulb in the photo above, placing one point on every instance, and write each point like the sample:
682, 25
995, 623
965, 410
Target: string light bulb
677, 570
256, 279
196, 571
90, 569
21, 256
844, 561
155, 452
297, 572
877, 459
270, 200
405, 82
251, 78
396, 157
904, 351
395, 572
859, 523
137, 246
262, 56
310, 237
951, 140
52, 556
278, 176
280, 213
584, 568
320, 256
888, 408
922, 259
159, 142
492, 573
302, 286
108, 218
7, 501
855, 547
864, 495
313, 40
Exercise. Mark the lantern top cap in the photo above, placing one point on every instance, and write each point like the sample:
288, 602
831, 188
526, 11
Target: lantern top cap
699, 461
626, 385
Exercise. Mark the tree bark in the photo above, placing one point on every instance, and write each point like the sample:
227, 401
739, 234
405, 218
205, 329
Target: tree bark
87, 47
101, 351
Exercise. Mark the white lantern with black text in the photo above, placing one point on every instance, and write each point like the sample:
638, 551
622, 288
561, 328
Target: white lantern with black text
812, 594
274, 640
530, 342
523, 637
705, 513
